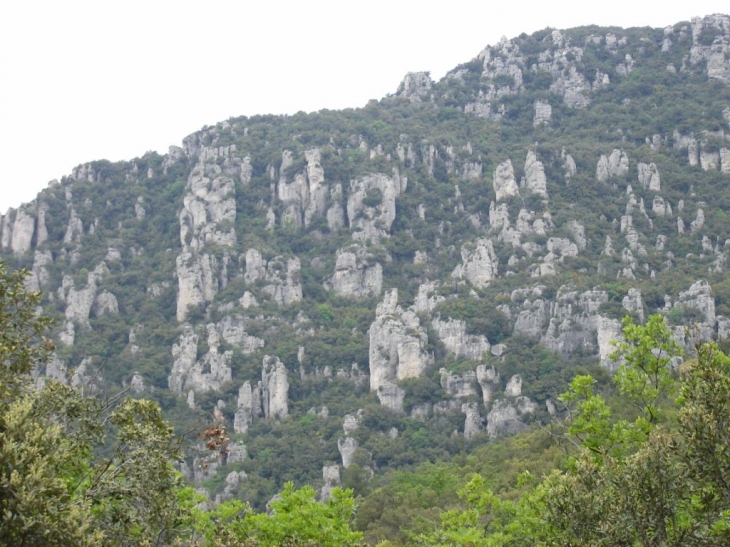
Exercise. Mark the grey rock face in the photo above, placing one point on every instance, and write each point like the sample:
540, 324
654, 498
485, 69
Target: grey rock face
80, 301
504, 419
41, 229
535, 178
371, 220
660, 207
425, 301
23, 230
305, 196
275, 385
514, 386
479, 266
574, 88
716, 55
197, 281
473, 422
209, 373
725, 161
569, 167
452, 333
136, 384
232, 329
39, 276
633, 303
699, 297
607, 332
416, 87
105, 304
649, 176
331, 476
209, 204
391, 397
532, 318
615, 165
56, 370
74, 230
504, 182
7, 229
347, 448
350, 423
246, 408
356, 274
255, 266
397, 346
543, 113
698, 222
488, 379
458, 386
268, 399
284, 278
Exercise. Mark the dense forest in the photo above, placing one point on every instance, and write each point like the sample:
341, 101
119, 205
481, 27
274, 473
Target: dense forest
479, 311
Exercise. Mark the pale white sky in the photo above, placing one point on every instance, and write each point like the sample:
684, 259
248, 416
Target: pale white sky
86, 80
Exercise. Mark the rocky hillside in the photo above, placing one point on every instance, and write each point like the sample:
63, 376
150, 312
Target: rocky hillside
361, 290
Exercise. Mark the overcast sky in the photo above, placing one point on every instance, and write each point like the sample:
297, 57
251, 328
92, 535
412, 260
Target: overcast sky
87, 80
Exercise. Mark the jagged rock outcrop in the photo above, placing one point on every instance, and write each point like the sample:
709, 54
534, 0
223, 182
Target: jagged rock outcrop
479, 266
39, 275
633, 303
305, 197
452, 334
488, 379
504, 182
105, 303
232, 329
543, 113
331, 476
269, 398
574, 87
23, 230
506, 418
208, 373
416, 87
717, 54
473, 421
699, 297
649, 176
397, 349
136, 384
284, 278
426, 301
275, 388
371, 205
347, 448
660, 207
514, 386
608, 331
80, 301
74, 229
197, 276
535, 178
615, 165
356, 273
458, 385
248, 407
209, 205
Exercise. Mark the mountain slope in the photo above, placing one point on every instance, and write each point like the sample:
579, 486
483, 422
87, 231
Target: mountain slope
349, 288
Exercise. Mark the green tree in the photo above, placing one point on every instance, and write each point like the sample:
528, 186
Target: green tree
52, 490
296, 518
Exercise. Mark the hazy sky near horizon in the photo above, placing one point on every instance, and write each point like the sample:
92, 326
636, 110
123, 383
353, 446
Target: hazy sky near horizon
88, 80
